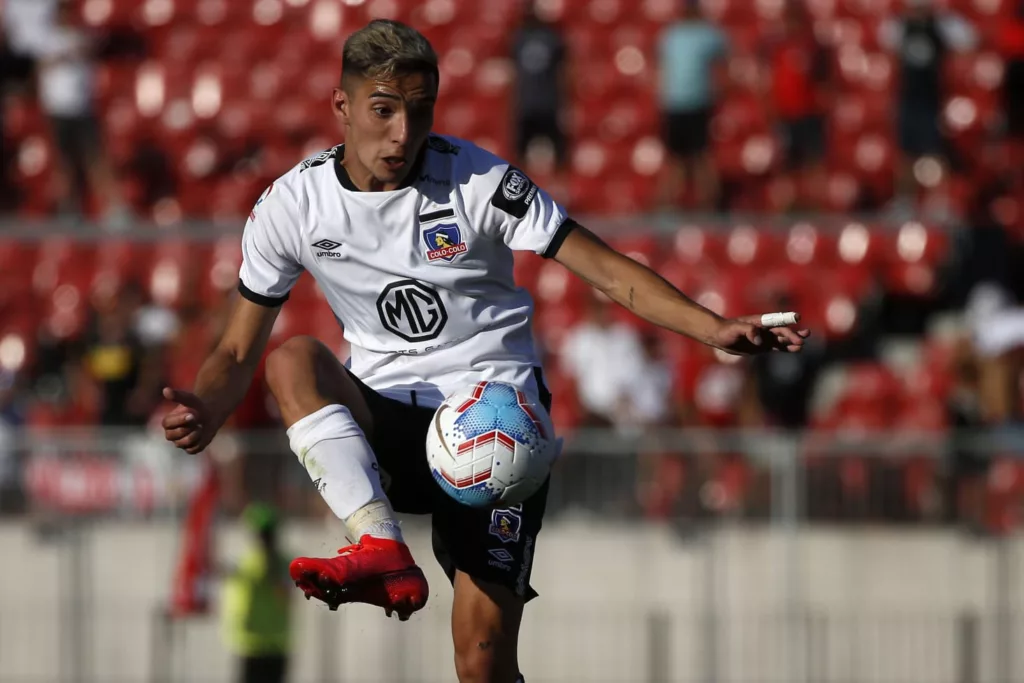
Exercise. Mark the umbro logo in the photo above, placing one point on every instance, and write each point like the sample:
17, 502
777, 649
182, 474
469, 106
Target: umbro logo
431, 180
501, 555
327, 249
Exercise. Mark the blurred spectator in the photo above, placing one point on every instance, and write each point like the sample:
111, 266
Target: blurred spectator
997, 331
969, 470
124, 354
25, 24
256, 604
10, 419
67, 74
648, 401
606, 360
799, 73
20, 22
540, 58
688, 50
1010, 39
781, 385
922, 38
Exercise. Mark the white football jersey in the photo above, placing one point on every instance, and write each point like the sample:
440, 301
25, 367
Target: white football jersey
420, 278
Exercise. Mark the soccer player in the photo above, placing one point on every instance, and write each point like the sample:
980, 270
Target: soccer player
410, 236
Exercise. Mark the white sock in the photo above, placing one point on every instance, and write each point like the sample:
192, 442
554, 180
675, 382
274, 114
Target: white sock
334, 450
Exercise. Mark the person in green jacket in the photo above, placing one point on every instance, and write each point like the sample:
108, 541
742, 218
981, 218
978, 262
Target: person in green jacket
256, 603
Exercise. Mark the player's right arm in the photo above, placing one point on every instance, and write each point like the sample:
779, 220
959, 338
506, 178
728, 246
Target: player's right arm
271, 263
223, 379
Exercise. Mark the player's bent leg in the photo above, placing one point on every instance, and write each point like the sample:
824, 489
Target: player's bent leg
304, 376
327, 418
485, 629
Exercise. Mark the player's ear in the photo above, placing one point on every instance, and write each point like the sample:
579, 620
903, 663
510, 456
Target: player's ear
340, 104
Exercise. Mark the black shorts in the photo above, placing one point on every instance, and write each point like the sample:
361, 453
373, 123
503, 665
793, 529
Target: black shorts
78, 139
804, 140
494, 545
919, 133
687, 132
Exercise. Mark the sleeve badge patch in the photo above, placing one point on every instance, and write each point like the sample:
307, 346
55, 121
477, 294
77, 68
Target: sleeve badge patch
515, 193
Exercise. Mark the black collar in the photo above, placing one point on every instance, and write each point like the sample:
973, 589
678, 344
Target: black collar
346, 181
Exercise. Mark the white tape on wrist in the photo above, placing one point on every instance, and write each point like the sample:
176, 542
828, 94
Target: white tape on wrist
779, 319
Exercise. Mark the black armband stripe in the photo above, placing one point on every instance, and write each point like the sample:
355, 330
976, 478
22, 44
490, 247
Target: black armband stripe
261, 299
567, 226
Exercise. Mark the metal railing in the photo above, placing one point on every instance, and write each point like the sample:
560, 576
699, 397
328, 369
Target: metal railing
666, 556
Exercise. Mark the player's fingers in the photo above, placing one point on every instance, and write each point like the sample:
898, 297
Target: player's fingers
178, 419
753, 334
188, 441
185, 398
179, 433
788, 337
198, 448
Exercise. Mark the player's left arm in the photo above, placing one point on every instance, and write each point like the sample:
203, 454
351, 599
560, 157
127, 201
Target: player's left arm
513, 209
654, 299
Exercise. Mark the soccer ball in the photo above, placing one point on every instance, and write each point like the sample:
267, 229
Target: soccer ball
489, 444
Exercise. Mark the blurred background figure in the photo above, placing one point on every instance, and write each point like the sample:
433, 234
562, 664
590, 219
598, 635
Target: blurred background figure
689, 52
541, 81
21, 22
923, 38
124, 353
256, 602
605, 359
1010, 41
64, 52
799, 75
11, 418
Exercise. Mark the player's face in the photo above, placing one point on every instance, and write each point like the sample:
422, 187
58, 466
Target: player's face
386, 124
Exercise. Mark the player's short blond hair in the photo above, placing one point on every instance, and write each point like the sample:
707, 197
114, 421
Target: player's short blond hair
384, 49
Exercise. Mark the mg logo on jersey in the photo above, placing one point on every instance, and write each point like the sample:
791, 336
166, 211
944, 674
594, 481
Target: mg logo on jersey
411, 311
444, 242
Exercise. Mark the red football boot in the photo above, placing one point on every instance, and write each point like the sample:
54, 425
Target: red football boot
377, 571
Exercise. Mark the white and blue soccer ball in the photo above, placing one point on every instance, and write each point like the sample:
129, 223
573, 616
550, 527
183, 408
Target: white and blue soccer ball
489, 443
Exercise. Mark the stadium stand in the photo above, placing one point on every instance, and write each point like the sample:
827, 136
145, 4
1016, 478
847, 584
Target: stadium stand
230, 93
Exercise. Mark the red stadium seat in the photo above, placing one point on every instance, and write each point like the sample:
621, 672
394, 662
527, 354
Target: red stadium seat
526, 269
983, 10
748, 246
646, 249
913, 255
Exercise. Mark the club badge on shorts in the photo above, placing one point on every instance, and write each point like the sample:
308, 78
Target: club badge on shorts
444, 242
505, 524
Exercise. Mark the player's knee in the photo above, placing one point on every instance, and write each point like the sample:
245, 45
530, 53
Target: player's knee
484, 658
287, 363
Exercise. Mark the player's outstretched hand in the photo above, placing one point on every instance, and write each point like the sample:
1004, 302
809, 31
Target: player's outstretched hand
188, 425
752, 334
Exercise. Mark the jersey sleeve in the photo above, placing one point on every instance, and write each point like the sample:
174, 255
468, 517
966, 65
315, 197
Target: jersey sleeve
271, 249
511, 207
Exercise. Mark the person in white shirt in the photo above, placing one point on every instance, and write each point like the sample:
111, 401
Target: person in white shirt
410, 236
617, 382
64, 54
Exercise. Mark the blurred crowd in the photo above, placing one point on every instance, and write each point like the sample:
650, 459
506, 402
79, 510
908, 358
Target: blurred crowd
906, 114
165, 110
